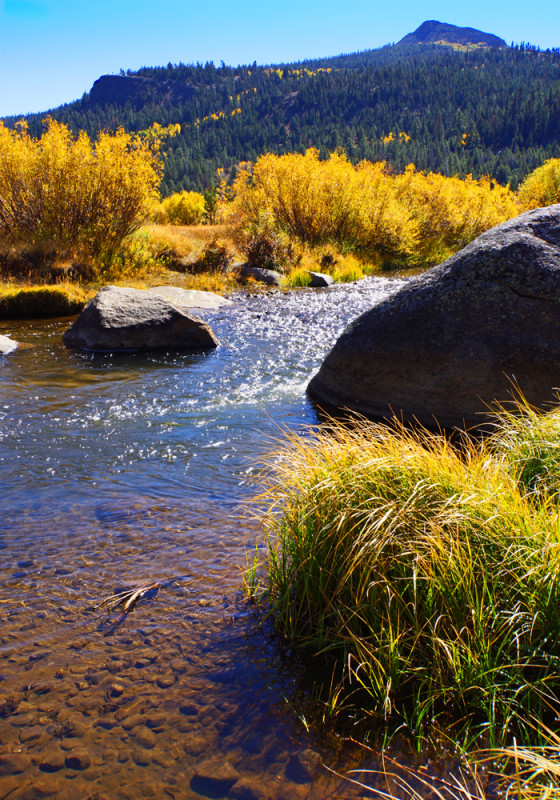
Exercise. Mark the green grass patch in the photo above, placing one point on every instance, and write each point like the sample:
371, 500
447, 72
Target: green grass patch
425, 575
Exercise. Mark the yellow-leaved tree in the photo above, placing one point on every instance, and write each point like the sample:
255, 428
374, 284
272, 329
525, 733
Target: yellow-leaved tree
542, 186
81, 198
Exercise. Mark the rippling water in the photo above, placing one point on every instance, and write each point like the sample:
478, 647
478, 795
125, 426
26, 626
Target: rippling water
120, 470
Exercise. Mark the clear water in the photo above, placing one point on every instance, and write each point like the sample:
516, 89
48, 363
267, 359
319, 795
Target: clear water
119, 471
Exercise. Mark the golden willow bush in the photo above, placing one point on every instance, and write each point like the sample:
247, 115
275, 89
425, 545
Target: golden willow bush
542, 186
184, 208
412, 218
81, 198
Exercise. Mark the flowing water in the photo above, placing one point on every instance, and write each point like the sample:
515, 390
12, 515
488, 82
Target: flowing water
119, 471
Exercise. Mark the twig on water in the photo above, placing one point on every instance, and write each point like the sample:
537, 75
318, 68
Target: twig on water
129, 598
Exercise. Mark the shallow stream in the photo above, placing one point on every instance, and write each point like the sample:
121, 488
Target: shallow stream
118, 471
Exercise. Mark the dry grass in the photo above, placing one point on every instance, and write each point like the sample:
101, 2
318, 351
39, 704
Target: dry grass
189, 241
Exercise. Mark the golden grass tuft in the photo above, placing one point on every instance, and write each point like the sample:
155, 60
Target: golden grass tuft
426, 575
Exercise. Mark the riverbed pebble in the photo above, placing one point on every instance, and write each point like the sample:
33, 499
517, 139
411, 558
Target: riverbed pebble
78, 759
132, 721
31, 734
14, 763
302, 766
52, 759
213, 776
166, 681
248, 789
145, 737
195, 745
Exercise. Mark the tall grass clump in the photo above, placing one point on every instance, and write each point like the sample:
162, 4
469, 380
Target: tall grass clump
78, 197
426, 577
529, 443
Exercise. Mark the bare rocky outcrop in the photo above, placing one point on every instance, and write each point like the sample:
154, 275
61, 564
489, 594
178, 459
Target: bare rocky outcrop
131, 319
458, 338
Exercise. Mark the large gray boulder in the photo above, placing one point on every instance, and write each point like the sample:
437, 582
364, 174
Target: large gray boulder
7, 345
131, 319
460, 337
190, 298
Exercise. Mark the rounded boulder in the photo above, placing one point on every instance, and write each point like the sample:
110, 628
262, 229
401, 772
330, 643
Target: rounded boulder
119, 319
461, 337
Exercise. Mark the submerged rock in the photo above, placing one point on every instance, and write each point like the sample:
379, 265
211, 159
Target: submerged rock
7, 345
461, 336
214, 777
190, 298
131, 319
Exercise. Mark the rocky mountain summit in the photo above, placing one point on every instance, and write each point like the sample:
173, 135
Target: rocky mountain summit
434, 32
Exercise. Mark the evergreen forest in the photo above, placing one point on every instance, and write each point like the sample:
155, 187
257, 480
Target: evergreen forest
453, 110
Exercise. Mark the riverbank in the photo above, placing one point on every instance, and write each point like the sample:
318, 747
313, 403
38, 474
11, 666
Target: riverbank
422, 576
36, 285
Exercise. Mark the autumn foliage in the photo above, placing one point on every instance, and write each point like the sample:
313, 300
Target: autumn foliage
80, 197
542, 186
184, 208
409, 218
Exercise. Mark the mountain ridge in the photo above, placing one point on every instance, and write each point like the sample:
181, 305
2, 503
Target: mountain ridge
456, 110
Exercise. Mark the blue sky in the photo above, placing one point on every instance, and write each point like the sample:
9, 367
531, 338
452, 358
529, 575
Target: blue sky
51, 51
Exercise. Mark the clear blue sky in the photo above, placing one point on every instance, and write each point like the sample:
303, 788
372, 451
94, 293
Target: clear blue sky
51, 51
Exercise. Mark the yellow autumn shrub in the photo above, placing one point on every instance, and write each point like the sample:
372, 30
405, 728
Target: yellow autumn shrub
451, 212
184, 208
80, 197
412, 218
542, 186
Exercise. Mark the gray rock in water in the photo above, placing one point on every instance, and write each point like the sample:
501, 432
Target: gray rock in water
7, 345
458, 338
319, 279
190, 298
131, 319
268, 276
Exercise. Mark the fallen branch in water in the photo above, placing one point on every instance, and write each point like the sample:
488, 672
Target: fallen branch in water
129, 598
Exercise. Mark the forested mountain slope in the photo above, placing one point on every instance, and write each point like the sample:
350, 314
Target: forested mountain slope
456, 109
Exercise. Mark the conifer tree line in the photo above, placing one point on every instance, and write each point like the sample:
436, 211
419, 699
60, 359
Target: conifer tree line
483, 112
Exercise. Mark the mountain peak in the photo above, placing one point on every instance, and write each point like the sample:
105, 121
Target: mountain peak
434, 32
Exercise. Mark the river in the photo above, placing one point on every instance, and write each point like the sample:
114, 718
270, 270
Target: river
118, 471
